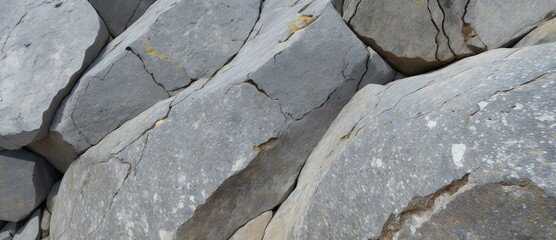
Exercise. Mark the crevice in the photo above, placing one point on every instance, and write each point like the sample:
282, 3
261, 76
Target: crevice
11, 30
419, 206
444, 28
437, 31
146, 70
478, 108
132, 15
265, 146
354, 13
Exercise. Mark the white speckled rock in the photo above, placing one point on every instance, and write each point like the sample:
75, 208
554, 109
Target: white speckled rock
202, 164
545, 33
120, 14
171, 45
39, 63
421, 35
463, 152
31, 229
25, 180
254, 229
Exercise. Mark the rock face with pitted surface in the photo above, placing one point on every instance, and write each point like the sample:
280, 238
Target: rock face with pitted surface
40, 62
464, 151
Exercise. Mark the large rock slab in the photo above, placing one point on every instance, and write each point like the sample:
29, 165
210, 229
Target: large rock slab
545, 33
120, 14
202, 164
25, 180
463, 152
418, 36
173, 44
39, 62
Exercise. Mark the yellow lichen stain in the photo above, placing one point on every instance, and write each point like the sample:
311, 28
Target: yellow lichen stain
265, 145
151, 51
301, 22
419, 2
159, 122
536, 152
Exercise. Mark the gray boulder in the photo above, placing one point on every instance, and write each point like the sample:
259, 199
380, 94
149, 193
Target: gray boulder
378, 71
120, 14
543, 34
25, 180
39, 63
31, 229
418, 36
202, 164
466, 152
170, 46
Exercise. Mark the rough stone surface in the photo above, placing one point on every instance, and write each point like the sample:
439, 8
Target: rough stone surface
31, 229
378, 71
254, 229
171, 45
545, 33
45, 223
8, 231
466, 152
51, 198
204, 163
39, 63
120, 14
25, 180
417, 36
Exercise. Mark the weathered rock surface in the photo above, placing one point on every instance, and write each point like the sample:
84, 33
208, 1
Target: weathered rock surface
120, 14
545, 33
39, 63
51, 198
25, 180
8, 231
463, 152
378, 70
418, 36
31, 229
254, 229
45, 224
202, 164
171, 45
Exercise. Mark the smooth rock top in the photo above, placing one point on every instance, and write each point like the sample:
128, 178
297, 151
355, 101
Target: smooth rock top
421, 35
120, 14
463, 152
40, 62
25, 180
173, 44
254, 229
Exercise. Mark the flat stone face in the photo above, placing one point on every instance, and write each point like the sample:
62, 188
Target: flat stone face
171, 45
25, 180
31, 229
254, 229
120, 14
203, 163
418, 36
39, 63
463, 151
545, 33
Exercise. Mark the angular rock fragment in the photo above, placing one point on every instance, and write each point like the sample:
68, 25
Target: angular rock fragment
31, 229
51, 198
120, 14
40, 62
254, 229
202, 164
545, 33
8, 231
418, 36
378, 71
45, 223
170, 46
463, 152
25, 180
